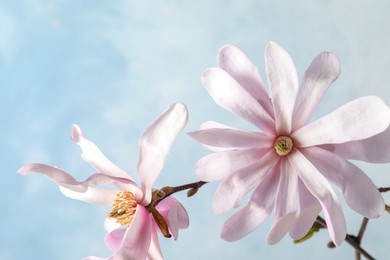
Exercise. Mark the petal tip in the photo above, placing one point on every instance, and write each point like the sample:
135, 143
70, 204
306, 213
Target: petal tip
76, 133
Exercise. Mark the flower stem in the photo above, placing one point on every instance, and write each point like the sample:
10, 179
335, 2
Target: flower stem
385, 189
350, 240
168, 191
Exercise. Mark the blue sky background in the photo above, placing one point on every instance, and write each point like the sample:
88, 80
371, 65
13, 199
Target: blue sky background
113, 66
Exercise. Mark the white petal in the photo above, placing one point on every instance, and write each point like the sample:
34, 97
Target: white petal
322, 72
92, 154
357, 120
359, 191
235, 62
229, 94
156, 143
283, 83
322, 190
256, 212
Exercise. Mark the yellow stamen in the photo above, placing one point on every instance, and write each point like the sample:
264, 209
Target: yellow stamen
283, 145
123, 208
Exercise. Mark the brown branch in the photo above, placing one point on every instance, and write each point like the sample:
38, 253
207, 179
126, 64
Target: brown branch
384, 189
168, 191
350, 240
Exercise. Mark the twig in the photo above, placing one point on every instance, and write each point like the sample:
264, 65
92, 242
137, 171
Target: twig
350, 240
360, 235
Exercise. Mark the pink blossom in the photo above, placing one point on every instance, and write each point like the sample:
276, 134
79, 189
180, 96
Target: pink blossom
137, 238
290, 164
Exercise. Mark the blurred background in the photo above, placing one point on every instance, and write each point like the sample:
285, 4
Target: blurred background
113, 66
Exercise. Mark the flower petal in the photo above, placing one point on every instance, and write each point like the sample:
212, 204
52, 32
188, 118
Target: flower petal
375, 149
322, 72
137, 239
92, 154
229, 94
356, 120
114, 239
232, 189
359, 191
235, 62
66, 180
217, 166
156, 143
231, 138
321, 189
286, 203
175, 214
256, 212
283, 83
309, 210
154, 249
96, 196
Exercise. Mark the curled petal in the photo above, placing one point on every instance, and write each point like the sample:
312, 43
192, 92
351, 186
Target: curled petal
114, 239
229, 94
375, 149
309, 210
96, 196
231, 190
286, 203
66, 180
321, 189
155, 145
283, 83
137, 239
356, 120
217, 166
256, 212
92, 154
235, 62
231, 138
175, 214
359, 191
322, 72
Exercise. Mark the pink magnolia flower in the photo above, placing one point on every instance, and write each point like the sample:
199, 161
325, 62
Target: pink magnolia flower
291, 163
137, 238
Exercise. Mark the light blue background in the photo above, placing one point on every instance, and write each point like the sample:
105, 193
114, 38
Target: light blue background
114, 66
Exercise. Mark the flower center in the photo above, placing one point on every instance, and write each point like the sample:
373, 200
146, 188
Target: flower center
123, 208
283, 145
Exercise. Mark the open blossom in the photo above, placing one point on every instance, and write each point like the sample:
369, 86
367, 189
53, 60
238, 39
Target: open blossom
291, 163
131, 224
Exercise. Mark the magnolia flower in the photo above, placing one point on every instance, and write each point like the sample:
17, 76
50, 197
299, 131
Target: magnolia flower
133, 222
290, 163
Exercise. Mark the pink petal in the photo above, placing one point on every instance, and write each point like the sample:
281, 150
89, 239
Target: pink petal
114, 239
283, 83
235, 62
96, 196
154, 249
92, 154
220, 165
375, 149
174, 213
65, 180
286, 203
137, 239
232, 138
229, 94
322, 190
359, 191
359, 119
156, 143
322, 72
309, 210
231, 190
256, 212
